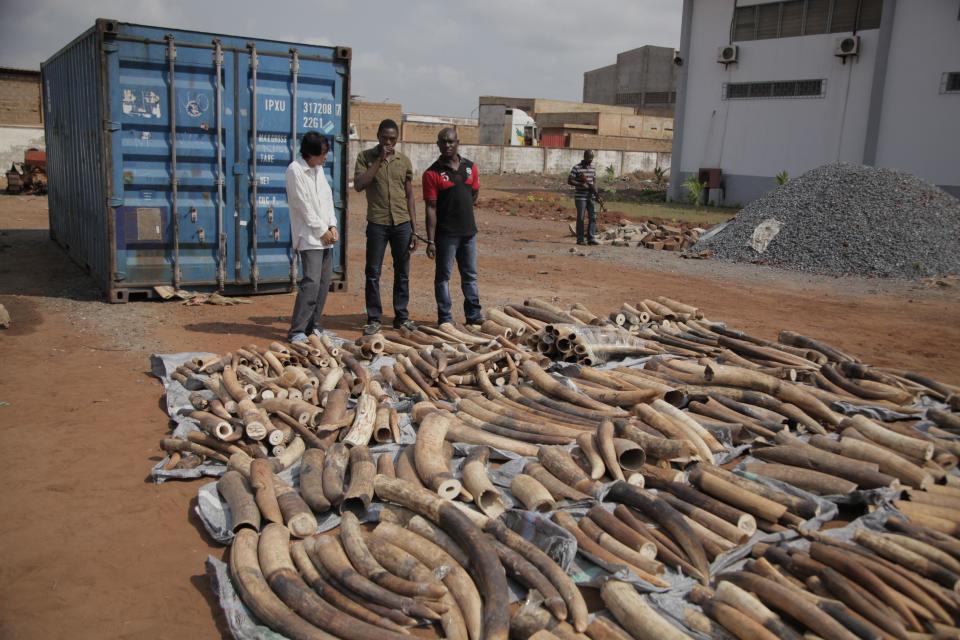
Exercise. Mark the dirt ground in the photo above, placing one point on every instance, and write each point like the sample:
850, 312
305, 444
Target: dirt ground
91, 549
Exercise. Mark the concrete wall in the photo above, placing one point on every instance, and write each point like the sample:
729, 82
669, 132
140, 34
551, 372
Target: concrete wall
883, 107
521, 160
600, 85
13, 142
643, 161
498, 159
919, 129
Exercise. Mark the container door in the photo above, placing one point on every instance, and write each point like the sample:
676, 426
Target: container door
284, 96
171, 223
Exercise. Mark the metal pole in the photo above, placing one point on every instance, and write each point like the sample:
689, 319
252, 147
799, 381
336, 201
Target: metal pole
174, 213
221, 238
254, 275
294, 72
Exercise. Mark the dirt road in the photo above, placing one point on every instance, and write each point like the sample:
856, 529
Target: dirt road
91, 549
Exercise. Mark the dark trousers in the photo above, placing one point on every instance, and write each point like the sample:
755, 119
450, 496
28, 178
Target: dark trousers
317, 267
586, 205
378, 237
463, 249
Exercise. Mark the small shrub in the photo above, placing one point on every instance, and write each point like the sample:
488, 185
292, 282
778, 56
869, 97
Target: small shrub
609, 175
695, 189
782, 178
659, 176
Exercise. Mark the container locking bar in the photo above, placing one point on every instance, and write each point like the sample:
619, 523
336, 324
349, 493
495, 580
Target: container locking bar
221, 238
294, 77
254, 213
174, 214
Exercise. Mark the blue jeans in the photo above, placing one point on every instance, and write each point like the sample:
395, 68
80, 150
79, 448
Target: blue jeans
464, 250
592, 219
378, 237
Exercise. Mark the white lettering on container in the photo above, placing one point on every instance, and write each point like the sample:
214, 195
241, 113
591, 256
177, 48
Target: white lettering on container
272, 104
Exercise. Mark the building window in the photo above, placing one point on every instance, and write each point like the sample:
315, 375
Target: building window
844, 16
804, 17
870, 12
768, 21
656, 97
817, 17
774, 89
791, 19
745, 23
950, 82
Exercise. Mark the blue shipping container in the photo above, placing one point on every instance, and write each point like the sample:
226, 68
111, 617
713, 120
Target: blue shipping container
166, 153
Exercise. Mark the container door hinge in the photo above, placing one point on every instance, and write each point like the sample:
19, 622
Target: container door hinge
111, 125
114, 202
110, 46
119, 276
239, 169
340, 138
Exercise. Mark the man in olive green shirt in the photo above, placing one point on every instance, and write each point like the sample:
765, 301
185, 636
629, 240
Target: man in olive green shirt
387, 177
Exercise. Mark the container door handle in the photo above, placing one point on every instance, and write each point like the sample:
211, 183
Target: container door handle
175, 216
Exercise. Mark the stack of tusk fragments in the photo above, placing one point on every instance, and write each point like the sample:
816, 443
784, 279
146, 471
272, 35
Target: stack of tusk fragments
659, 444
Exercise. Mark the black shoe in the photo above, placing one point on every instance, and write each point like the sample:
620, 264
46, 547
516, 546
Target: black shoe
372, 327
593, 242
406, 324
581, 242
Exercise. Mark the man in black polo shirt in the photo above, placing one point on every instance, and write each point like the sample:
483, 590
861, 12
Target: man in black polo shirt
450, 189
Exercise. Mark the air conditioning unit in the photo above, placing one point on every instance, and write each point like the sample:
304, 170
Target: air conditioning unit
846, 46
727, 54
677, 60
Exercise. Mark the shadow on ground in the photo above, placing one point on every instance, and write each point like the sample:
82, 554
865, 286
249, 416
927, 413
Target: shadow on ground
26, 253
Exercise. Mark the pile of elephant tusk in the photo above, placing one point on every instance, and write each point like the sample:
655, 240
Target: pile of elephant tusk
683, 457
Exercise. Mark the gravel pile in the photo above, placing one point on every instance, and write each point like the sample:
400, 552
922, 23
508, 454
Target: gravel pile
842, 219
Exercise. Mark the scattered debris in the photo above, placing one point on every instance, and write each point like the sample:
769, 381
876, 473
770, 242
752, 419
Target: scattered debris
944, 282
194, 298
29, 176
650, 234
4, 317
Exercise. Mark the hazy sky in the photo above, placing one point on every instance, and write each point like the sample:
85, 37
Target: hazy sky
433, 57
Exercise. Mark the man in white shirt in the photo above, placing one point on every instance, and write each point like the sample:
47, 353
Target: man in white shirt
313, 232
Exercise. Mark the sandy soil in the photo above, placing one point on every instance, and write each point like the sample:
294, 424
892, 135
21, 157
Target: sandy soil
92, 549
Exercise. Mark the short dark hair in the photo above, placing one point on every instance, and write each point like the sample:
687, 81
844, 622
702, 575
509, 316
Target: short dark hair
387, 124
313, 143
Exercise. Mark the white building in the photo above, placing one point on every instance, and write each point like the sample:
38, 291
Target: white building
809, 82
